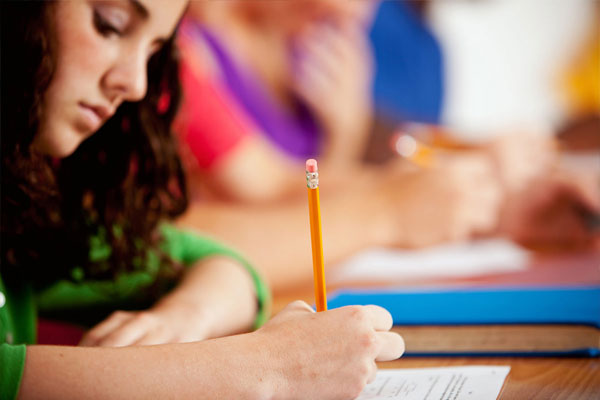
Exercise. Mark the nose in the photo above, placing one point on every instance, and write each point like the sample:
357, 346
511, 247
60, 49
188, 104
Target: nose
127, 79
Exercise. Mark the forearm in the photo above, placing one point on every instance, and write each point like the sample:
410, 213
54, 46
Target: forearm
217, 291
279, 361
273, 176
202, 370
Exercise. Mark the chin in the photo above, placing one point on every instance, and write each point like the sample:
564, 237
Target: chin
66, 150
58, 147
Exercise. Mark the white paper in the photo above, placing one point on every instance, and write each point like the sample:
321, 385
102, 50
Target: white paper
447, 383
450, 260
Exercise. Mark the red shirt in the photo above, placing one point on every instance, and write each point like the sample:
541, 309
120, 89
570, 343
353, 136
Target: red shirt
210, 123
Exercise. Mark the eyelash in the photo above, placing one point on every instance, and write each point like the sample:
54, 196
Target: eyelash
104, 27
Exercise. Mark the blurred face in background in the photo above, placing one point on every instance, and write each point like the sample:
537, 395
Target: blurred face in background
101, 52
294, 16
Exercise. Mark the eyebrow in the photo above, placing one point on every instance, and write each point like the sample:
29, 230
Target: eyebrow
139, 8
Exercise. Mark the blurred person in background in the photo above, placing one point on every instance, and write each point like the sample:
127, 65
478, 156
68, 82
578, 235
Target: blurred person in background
292, 80
505, 80
507, 97
563, 207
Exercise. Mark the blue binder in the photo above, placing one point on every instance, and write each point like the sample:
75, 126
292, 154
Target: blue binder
481, 306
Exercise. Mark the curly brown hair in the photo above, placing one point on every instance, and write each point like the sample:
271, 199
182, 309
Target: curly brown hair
117, 186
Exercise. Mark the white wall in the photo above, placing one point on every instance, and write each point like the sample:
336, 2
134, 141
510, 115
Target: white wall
504, 59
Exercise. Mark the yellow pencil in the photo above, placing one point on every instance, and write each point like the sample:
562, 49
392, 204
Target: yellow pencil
314, 210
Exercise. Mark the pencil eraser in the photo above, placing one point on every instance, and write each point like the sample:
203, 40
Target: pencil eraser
311, 165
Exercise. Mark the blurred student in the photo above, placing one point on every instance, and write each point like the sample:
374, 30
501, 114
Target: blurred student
289, 80
89, 174
562, 208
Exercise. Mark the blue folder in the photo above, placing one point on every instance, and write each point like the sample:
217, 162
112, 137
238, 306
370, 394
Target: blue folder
484, 306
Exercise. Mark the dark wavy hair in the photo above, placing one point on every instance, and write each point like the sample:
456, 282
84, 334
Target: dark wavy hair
112, 191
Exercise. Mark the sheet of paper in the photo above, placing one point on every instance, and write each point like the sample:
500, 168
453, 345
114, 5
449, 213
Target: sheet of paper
449, 260
448, 383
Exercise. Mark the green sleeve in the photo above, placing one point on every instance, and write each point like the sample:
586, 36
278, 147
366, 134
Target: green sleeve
187, 248
12, 362
127, 289
68, 295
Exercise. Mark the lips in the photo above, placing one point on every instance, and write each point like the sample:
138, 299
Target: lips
94, 116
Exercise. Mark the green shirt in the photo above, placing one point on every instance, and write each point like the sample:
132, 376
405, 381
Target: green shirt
19, 304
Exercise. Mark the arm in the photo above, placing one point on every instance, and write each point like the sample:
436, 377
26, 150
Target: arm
333, 76
277, 238
222, 294
383, 207
196, 370
280, 361
217, 297
254, 172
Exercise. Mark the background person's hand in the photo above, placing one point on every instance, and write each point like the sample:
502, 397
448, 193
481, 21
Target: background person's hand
521, 158
552, 214
333, 76
326, 355
453, 201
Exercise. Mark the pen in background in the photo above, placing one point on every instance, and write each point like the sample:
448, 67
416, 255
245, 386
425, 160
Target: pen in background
314, 210
423, 144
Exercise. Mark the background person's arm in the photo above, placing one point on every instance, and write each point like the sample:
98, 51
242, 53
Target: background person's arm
276, 237
383, 207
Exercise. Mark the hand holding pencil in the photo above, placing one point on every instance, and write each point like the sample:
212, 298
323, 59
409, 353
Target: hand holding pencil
333, 352
338, 347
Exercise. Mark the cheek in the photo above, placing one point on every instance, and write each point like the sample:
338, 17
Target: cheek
81, 53
57, 137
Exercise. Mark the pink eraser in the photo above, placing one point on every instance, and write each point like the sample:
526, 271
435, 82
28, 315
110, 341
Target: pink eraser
311, 165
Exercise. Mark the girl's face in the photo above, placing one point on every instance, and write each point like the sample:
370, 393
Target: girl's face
102, 50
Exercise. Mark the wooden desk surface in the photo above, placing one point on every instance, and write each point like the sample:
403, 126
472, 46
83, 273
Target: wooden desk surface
529, 378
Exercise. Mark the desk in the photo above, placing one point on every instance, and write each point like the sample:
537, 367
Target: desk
530, 377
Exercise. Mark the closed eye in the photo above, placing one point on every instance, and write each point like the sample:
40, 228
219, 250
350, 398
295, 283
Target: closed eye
104, 27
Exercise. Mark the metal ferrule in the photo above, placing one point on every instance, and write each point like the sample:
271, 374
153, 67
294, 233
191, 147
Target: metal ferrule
312, 180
